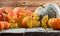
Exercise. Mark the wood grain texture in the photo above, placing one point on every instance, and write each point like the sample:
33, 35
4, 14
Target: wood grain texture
31, 4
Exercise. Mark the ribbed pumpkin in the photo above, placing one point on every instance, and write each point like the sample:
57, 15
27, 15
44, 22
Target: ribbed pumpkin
54, 23
19, 10
53, 8
7, 11
49, 9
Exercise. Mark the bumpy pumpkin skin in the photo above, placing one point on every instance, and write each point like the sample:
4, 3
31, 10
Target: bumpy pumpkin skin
54, 23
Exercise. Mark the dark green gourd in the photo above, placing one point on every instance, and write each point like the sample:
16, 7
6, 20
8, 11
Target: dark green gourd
53, 10
49, 9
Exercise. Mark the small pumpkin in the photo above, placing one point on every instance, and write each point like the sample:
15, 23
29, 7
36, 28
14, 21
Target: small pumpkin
5, 11
1, 26
19, 10
6, 25
54, 23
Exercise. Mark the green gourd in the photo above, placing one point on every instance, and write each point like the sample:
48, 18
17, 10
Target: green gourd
53, 10
49, 9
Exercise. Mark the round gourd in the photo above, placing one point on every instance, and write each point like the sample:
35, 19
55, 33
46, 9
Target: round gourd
49, 9
54, 23
39, 10
53, 8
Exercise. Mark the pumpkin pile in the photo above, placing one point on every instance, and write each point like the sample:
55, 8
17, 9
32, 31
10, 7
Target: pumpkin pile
44, 16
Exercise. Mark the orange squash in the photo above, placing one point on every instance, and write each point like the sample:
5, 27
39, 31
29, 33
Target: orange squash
54, 23
19, 10
7, 11
1, 10
1, 26
28, 12
6, 25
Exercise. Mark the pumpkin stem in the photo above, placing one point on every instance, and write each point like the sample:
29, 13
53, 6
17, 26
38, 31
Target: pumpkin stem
42, 6
26, 8
5, 12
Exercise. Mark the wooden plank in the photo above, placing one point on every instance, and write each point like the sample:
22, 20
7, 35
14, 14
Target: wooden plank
16, 30
16, 3
23, 30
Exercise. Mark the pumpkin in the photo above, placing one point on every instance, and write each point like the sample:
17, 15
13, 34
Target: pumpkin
1, 10
49, 9
39, 10
1, 26
12, 14
6, 25
7, 11
54, 23
19, 10
53, 8
28, 12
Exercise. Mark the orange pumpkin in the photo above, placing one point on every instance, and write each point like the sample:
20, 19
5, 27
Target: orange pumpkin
7, 11
28, 12
54, 23
1, 10
19, 10
6, 25
1, 26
